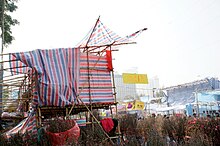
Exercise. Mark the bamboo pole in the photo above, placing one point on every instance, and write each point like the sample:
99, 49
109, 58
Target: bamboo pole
96, 121
15, 99
71, 108
89, 67
39, 115
4, 61
13, 81
16, 85
12, 68
13, 78
2, 54
99, 46
12, 75
115, 97
37, 119
85, 49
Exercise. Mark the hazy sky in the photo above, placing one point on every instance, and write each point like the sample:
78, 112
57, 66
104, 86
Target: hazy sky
182, 43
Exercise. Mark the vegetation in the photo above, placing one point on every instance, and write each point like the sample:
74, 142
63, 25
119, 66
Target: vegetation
7, 7
153, 131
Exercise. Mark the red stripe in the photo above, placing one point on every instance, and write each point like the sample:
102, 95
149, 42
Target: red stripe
95, 85
43, 85
76, 69
95, 78
54, 74
61, 71
83, 56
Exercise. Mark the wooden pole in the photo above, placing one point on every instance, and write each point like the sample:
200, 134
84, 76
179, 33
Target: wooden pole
96, 121
91, 34
87, 53
107, 45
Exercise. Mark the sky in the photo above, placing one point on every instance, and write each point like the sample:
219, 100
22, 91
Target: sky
181, 45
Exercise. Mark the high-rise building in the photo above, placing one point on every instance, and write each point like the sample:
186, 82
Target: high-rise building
134, 91
124, 91
148, 89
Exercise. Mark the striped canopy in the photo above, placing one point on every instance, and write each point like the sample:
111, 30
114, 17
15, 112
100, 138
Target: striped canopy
57, 74
63, 74
101, 36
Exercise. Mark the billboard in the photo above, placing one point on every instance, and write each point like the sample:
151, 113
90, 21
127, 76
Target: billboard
129, 78
139, 105
135, 105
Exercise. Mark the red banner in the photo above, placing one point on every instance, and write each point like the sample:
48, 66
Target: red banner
109, 59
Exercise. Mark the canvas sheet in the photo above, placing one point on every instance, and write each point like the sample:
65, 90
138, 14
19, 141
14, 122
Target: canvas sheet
95, 84
28, 125
57, 70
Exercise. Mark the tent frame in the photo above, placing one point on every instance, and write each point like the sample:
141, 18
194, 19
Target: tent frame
28, 83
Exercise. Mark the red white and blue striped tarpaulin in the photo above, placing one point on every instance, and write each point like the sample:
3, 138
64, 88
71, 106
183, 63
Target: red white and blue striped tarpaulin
101, 35
62, 71
16, 66
95, 82
26, 126
58, 71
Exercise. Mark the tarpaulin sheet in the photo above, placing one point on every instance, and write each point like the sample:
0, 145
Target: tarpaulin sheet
16, 66
28, 125
61, 72
95, 82
58, 71
102, 35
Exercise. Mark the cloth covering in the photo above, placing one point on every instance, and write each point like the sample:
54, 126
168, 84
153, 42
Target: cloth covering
57, 70
26, 125
95, 84
63, 138
107, 124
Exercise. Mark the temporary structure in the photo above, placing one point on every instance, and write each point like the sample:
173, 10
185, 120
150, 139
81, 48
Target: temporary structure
66, 81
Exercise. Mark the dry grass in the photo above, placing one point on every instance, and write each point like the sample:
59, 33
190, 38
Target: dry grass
153, 131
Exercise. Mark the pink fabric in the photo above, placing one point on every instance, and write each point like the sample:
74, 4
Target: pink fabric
62, 138
107, 124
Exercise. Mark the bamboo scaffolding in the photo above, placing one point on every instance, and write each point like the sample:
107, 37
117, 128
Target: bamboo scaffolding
12, 68
100, 46
16, 85
13, 81
16, 72
13, 75
91, 34
96, 120
3, 99
31, 81
8, 61
98, 52
13, 78
9, 88
2, 54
